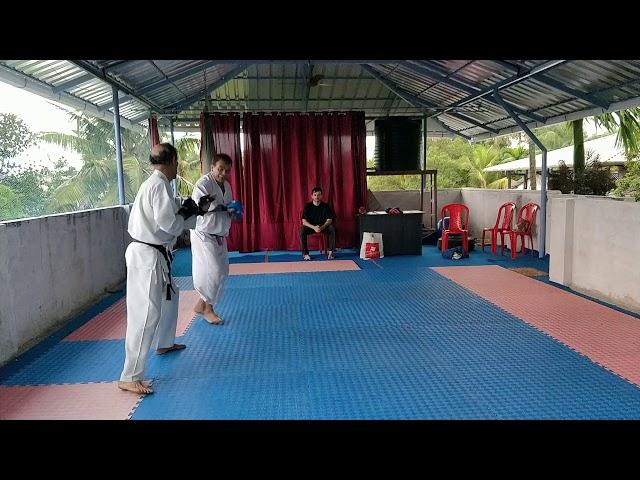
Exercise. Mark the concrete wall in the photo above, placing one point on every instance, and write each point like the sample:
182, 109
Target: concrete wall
410, 200
595, 244
484, 203
53, 267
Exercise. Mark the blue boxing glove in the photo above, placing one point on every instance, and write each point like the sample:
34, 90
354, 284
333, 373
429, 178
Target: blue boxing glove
236, 206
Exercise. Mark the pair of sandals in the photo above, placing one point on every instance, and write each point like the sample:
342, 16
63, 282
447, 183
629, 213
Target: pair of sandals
307, 257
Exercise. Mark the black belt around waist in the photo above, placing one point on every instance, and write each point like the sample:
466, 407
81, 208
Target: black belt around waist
218, 238
168, 257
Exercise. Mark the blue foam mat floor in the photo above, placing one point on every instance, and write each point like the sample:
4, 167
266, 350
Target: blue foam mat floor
394, 340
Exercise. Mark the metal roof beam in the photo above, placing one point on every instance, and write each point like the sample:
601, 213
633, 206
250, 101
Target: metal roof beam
472, 90
167, 80
139, 118
418, 102
442, 78
449, 129
73, 83
592, 99
85, 65
473, 122
561, 87
20, 80
117, 64
176, 107
507, 83
568, 117
166, 77
410, 98
316, 61
121, 100
513, 65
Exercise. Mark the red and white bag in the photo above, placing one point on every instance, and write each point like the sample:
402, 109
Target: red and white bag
372, 246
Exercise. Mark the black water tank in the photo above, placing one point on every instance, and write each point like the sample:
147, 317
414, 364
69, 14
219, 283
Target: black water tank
397, 144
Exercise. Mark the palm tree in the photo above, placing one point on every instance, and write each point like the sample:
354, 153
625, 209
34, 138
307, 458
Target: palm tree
95, 184
578, 146
627, 125
533, 170
514, 153
555, 136
482, 158
188, 164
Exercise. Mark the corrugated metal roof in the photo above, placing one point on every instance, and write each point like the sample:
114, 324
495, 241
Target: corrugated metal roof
459, 92
62, 73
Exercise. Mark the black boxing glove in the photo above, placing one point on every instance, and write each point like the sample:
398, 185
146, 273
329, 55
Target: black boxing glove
204, 203
188, 208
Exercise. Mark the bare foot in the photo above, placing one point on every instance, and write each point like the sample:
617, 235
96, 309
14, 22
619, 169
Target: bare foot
306, 257
213, 318
199, 308
330, 256
135, 387
176, 346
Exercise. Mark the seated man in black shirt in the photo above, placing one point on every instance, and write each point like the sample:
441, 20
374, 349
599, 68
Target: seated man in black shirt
317, 217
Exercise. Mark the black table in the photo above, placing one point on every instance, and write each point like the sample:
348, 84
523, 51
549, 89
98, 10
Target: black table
401, 233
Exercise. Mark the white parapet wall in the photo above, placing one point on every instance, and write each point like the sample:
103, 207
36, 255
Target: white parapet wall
595, 248
54, 267
484, 203
410, 200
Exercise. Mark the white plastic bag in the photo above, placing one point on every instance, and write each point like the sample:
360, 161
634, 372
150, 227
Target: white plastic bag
372, 246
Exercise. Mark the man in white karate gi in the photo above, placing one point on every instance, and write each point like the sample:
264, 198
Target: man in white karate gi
152, 298
209, 239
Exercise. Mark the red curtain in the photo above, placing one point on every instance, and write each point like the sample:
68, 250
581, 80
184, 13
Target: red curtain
153, 131
286, 155
224, 129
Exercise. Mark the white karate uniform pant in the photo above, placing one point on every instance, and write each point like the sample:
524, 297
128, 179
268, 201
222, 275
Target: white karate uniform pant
151, 318
210, 266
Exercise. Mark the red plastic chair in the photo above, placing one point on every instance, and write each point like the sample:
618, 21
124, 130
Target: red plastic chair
457, 225
322, 241
505, 212
528, 213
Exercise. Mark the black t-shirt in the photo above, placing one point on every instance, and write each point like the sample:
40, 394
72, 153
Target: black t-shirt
317, 215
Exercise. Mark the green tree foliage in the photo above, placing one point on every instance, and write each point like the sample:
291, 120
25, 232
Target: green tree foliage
34, 188
188, 164
626, 123
10, 206
630, 183
96, 183
594, 179
555, 136
459, 164
483, 157
15, 137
